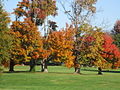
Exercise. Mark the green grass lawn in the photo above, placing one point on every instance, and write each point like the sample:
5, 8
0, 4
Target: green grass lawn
59, 78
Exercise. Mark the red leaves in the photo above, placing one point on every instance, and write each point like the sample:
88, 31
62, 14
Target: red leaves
111, 51
109, 47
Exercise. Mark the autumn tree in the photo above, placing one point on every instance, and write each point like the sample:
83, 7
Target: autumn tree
44, 56
79, 14
90, 47
36, 11
57, 47
61, 46
27, 33
111, 52
16, 52
5, 37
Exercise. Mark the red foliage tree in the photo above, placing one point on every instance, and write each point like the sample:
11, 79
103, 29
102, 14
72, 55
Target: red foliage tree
111, 52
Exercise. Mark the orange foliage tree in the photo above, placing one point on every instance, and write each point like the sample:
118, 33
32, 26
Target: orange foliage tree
28, 35
57, 47
60, 44
36, 10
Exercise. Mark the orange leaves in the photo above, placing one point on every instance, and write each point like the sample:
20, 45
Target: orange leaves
26, 40
44, 54
37, 10
35, 55
61, 44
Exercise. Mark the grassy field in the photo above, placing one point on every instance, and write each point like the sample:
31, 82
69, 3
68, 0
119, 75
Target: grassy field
59, 78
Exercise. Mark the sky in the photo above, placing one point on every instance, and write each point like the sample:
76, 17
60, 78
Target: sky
108, 11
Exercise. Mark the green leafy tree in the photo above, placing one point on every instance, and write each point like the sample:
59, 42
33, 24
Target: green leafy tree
5, 37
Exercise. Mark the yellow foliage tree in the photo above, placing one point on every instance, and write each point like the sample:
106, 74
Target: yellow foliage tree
91, 48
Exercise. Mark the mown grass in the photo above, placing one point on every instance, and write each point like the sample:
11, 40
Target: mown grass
59, 78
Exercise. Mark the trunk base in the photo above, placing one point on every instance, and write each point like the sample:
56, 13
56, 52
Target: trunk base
32, 66
77, 71
44, 66
12, 64
100, 71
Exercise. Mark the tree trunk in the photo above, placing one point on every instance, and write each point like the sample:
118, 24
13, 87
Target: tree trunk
32, 65
77, 70
44, 66
76, 65
99, 71
113, 65
11, 67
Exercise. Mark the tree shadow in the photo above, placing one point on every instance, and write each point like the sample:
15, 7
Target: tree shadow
16, 72
110, 71
68, 73
63, 73
42, 72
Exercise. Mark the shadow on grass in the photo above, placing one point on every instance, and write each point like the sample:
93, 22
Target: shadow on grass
37, 72
55, 73
16, 72
110, 71
69, 73
43, 72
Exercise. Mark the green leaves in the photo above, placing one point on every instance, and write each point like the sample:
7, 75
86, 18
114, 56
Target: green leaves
5, 37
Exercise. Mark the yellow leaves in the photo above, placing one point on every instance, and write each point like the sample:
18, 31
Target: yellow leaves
27, 59
92, 45
103, 64
57, 60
